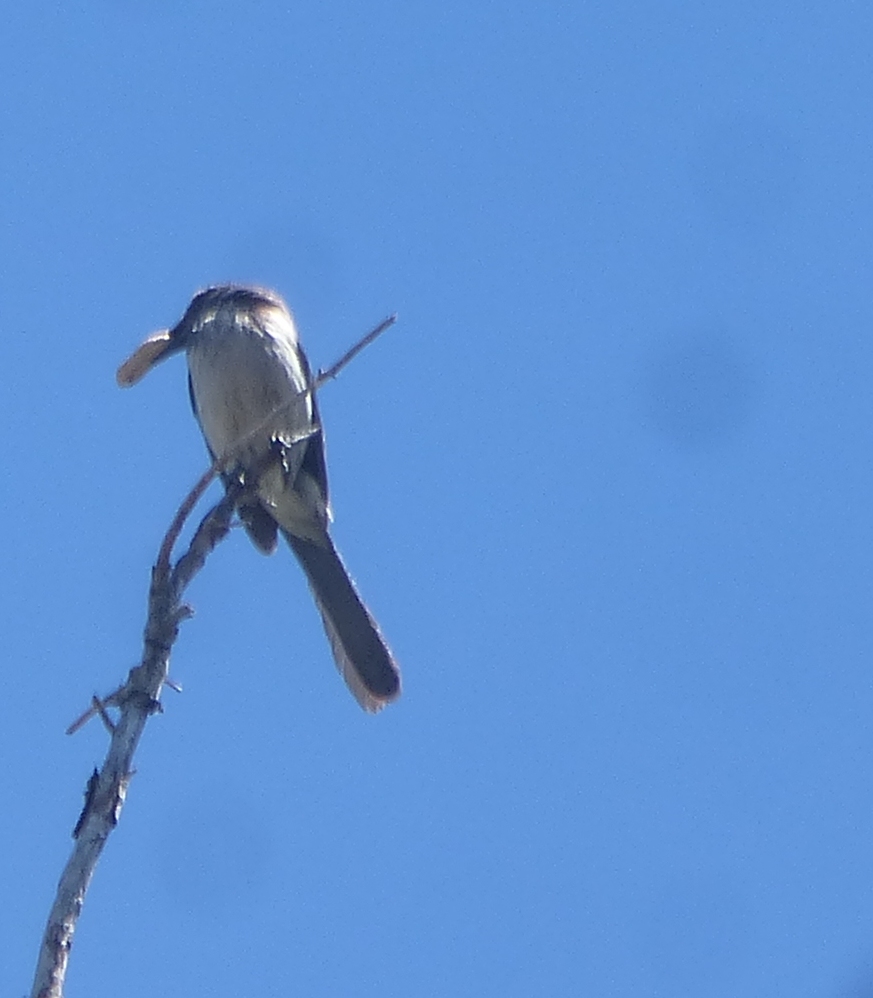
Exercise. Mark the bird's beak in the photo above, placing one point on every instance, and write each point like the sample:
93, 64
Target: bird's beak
159, 345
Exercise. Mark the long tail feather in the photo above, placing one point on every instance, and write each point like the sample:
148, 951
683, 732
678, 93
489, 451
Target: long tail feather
362, 656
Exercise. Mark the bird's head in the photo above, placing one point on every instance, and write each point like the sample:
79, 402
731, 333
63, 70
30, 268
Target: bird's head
241, 302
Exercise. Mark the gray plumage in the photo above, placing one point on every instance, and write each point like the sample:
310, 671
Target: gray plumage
250, 383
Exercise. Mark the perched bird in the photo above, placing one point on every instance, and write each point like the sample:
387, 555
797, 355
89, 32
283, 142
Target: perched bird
252, 393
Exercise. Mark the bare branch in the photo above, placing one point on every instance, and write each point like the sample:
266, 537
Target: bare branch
136, 701
350, 355
213, 529
139, 697
182, 514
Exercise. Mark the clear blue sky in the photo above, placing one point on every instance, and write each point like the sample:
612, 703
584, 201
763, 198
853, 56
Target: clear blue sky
607, 487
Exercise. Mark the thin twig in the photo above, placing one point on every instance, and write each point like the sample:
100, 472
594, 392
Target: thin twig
350, 355
182, 514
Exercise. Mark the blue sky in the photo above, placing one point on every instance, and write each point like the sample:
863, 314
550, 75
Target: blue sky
606, 486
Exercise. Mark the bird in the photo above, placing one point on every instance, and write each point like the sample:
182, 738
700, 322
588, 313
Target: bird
253, 394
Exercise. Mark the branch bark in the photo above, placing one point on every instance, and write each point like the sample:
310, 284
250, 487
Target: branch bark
136, 701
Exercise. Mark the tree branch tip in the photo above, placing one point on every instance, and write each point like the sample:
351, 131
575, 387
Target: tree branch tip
79, 723
324, 375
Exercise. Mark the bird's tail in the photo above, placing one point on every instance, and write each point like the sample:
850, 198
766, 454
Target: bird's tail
361, 654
